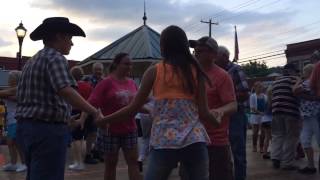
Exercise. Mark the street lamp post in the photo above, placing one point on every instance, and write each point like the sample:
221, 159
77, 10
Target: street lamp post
21, 33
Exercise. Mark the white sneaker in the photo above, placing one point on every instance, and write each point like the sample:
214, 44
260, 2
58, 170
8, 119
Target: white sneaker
21, 168
9, 167
78, 167
72, 166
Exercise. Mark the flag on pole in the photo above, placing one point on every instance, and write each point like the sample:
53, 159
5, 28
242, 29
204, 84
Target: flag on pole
236, 45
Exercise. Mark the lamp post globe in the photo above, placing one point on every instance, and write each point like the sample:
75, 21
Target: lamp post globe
21, 33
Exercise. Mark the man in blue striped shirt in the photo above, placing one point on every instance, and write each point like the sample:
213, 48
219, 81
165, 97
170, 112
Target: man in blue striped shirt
286, 119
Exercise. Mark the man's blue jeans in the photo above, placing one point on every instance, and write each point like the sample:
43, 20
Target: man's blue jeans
44, 146
194, 158
237, 136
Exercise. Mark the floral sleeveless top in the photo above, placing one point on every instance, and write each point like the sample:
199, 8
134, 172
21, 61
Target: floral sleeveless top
176, 121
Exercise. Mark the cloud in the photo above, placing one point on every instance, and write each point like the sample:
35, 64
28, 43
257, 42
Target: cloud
108, 20
158, 11
4, 43
108, 33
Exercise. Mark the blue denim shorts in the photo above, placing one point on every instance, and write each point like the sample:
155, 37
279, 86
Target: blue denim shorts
310, 128
11, 131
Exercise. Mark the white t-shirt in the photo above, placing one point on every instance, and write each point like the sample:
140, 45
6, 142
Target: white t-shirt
253, 102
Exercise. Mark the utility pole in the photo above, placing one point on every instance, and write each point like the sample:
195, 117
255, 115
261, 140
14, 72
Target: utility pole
210, 23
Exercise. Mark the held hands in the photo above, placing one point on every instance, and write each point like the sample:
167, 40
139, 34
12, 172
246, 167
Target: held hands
74, 122
217, 114
98, 118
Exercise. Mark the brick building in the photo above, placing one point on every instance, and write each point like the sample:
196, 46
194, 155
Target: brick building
300, 53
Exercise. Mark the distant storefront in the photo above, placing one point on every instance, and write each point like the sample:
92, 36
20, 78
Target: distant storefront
8, 64
300, 53
4, 78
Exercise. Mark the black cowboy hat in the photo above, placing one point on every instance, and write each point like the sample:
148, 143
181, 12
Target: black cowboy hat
56, 24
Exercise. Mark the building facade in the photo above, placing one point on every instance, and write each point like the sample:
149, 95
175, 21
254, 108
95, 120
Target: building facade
300, 53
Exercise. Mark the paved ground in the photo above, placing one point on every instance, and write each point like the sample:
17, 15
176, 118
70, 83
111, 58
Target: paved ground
258, 169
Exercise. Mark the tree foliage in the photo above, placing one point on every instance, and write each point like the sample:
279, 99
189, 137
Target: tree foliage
256, 69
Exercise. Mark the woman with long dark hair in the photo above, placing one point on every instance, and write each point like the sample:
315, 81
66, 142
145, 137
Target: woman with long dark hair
178, 85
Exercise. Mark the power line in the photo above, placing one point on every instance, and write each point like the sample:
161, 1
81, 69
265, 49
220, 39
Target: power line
236, 15
261, 54
288, 40
260, 7
219, 13
264, 57
210, 24
264, 60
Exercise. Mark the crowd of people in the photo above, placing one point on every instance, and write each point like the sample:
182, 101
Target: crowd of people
189, 111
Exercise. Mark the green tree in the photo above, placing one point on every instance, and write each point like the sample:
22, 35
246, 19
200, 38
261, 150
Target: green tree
256, 69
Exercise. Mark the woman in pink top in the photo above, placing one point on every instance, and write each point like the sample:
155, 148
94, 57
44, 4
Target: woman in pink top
111, 94
178, 85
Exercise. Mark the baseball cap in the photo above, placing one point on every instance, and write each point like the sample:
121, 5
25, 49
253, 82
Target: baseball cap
205, 41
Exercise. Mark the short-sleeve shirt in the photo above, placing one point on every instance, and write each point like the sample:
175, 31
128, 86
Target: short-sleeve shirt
258, 102
42, 77
84, 89
94, 80
221, 93
110, 95
239, 79
283, 100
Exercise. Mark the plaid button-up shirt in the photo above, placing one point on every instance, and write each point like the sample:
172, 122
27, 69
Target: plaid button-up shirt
42, 77
239, 78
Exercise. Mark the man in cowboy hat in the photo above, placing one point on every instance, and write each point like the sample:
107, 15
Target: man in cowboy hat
44, 95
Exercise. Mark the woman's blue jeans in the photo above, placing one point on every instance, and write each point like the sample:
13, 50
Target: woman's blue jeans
194, 158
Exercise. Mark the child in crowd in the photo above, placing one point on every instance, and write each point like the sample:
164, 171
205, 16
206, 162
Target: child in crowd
257, 105
266, 124
10, 127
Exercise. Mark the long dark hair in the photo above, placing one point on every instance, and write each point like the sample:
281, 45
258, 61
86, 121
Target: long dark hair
175, 51
116, 61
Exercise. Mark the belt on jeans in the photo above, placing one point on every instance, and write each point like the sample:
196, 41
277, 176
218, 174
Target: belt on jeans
35, 120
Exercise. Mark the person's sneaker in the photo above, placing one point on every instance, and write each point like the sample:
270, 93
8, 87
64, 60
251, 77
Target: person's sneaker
275, 163
71, 166
9, 167
78, 167
289, 168
21, 168
307, 170
90, 160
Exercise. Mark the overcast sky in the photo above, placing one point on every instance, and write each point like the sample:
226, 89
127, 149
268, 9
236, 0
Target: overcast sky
263, 25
